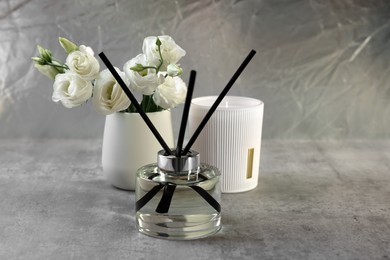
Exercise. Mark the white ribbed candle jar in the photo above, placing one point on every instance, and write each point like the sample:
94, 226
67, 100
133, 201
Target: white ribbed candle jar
231, 140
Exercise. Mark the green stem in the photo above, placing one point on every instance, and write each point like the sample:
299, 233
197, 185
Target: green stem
54, 59
149, 99
161, 60
64, 66
149, 67
144, 102
148, 104
132, 108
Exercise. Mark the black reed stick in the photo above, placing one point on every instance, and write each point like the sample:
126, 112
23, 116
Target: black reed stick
218, 101
166, 198
135, 103
186, 109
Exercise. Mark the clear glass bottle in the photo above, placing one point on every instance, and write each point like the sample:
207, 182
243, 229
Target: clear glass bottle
178, 198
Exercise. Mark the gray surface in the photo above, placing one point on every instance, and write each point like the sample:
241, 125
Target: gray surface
322, 67
315, 200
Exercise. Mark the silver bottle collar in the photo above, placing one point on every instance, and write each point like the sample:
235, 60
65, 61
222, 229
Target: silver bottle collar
179, 165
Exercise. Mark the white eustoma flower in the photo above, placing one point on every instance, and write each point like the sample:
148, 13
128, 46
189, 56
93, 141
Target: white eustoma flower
170, 51
108, 96
145, 81
171, 93
71, 90
83, 63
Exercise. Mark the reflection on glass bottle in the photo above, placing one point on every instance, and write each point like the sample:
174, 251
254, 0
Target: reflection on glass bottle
178, 198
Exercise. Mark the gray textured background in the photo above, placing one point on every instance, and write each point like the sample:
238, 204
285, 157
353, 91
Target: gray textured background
322, 67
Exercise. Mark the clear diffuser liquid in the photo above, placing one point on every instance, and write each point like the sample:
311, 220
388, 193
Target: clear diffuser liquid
190, 214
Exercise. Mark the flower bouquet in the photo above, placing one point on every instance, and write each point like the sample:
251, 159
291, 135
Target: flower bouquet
154, 73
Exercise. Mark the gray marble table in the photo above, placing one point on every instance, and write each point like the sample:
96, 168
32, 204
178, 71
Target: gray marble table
315, 200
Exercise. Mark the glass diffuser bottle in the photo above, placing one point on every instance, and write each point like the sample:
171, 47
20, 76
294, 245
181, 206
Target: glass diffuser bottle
178, 197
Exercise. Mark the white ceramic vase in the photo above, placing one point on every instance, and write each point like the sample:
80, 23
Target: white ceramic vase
129, 144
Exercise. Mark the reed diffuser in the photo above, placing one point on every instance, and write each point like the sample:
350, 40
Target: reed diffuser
178, 197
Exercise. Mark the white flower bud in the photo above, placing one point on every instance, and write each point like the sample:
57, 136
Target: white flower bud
47, 70
67, 45
45, 53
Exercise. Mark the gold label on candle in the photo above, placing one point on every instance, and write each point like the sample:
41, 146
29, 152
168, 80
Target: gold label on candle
249, 164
